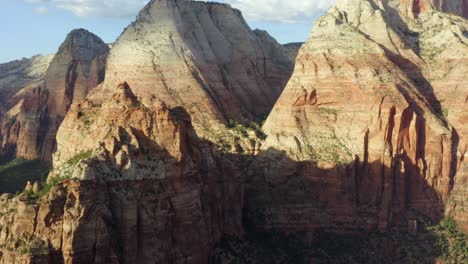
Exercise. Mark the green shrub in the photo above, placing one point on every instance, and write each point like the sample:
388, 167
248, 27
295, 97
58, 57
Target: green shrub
79, 157
15, 174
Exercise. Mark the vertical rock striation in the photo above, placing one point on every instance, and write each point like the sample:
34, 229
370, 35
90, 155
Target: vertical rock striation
373, 122
144, 189
202, 56
30, 126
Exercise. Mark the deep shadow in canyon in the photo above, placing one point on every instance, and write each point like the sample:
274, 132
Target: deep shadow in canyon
266, 208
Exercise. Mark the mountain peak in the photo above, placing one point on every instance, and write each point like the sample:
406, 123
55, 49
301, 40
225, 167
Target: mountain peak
80, 41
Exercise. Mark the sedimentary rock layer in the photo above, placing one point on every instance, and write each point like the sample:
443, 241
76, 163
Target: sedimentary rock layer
373, 122
202, 56
148, 190
30, 124
17, 74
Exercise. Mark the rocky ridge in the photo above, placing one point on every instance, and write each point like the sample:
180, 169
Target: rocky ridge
203, 57
32, 117
368, 135
145, 189
365, 123
15, 75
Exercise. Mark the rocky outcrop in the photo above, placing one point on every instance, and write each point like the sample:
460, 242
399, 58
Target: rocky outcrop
17, 74
202, 56
293, 49
361, 136
142, 188
416, 7
30, 125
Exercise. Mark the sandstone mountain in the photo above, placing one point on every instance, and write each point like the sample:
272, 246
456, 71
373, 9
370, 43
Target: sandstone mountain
141, 186
373, 123
17, 74
293, 49
150, 192
202, 56
33, 115
368, 137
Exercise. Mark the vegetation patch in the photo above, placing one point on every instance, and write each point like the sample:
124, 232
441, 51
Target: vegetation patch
441, 242
15, 174
451, 241
79, 157
243, 130
45, 188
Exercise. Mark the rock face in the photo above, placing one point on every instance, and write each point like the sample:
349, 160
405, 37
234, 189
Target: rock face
457, 7
293, 49
369, 134
30, 125
151, 192
370, 131
202, 56
16, 75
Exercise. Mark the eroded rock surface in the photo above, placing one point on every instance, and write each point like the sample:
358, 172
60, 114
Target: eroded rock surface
33, 115
202, 56
142, 188
372, 123
15, 75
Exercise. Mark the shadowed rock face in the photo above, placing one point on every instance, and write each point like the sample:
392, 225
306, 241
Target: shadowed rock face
151, 192
148, 189
30, 126
377, 89
369, 134
202, 56
17, 74
456, 7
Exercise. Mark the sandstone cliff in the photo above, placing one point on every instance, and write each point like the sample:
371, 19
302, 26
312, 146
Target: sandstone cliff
293, 49
141, 186
202, 56
33, 115
369, 135
17, 74
144, 189
416, 7
372, 123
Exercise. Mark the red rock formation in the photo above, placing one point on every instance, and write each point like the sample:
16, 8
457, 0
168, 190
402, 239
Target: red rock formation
152, 191
30, 126
15, 75
457, 7
204, 57
368, 142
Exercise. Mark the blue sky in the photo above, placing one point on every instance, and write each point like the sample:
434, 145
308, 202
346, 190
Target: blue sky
31, 27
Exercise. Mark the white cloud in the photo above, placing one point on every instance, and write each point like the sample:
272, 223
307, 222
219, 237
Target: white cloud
283, 11
42, 10
97, 8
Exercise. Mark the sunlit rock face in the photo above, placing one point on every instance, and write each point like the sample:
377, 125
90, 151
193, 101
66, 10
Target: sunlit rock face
373, 122
141, 187
202, 56
15, 75
35, 112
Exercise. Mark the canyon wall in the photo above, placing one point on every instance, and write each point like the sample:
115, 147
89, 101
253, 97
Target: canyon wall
370, 130
147, 190
202, 56
34, 114
369, 134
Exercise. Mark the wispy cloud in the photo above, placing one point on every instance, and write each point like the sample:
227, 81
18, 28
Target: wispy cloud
282, 11
41, 10
96, 8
